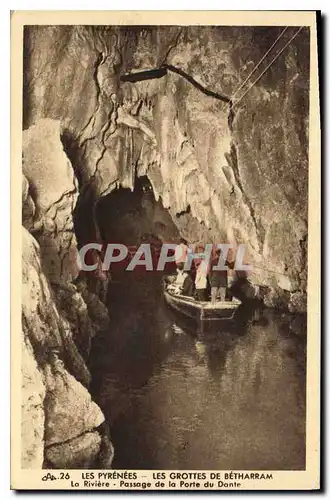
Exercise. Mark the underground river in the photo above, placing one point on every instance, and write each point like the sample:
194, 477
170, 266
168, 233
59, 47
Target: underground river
178, 397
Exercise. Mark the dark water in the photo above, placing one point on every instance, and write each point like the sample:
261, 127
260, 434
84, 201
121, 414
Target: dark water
177, 397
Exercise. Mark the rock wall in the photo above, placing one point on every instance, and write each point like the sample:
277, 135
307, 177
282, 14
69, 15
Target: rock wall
225, 173
235, 175
61, 426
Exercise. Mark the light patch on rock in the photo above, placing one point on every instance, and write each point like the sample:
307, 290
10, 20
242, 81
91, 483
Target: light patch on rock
33, 417
69, 408
46, 165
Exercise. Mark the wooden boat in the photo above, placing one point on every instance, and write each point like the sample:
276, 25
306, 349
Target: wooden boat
194, 309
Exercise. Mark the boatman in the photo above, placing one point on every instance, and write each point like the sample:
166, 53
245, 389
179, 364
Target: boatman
218, 280
181, 252
201, 280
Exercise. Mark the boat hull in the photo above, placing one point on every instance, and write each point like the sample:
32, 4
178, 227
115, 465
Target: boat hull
200, 311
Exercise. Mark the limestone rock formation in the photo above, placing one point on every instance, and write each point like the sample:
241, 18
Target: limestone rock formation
33, 416
56, 407
77, 453
235, 175
46, 329
68, 405
53, 190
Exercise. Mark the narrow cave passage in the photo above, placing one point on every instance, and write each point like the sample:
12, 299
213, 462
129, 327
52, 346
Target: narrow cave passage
134, 217
179, 398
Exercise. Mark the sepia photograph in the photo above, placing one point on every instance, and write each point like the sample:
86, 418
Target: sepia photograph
163, 258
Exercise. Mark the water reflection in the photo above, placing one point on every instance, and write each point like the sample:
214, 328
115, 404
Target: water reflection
178, 396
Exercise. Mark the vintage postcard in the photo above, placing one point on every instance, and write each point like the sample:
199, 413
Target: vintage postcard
165, 275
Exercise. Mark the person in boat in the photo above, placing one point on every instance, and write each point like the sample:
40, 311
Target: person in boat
181, 252
201, 281
218, 280
180, 278
231, 278
188, 285
183, 284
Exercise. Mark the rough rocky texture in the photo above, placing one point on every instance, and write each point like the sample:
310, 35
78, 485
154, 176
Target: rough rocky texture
74, 309
52, 188
56, 405
86, 451
45, 328
239, 176
33, 416
69, 406
77, 453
